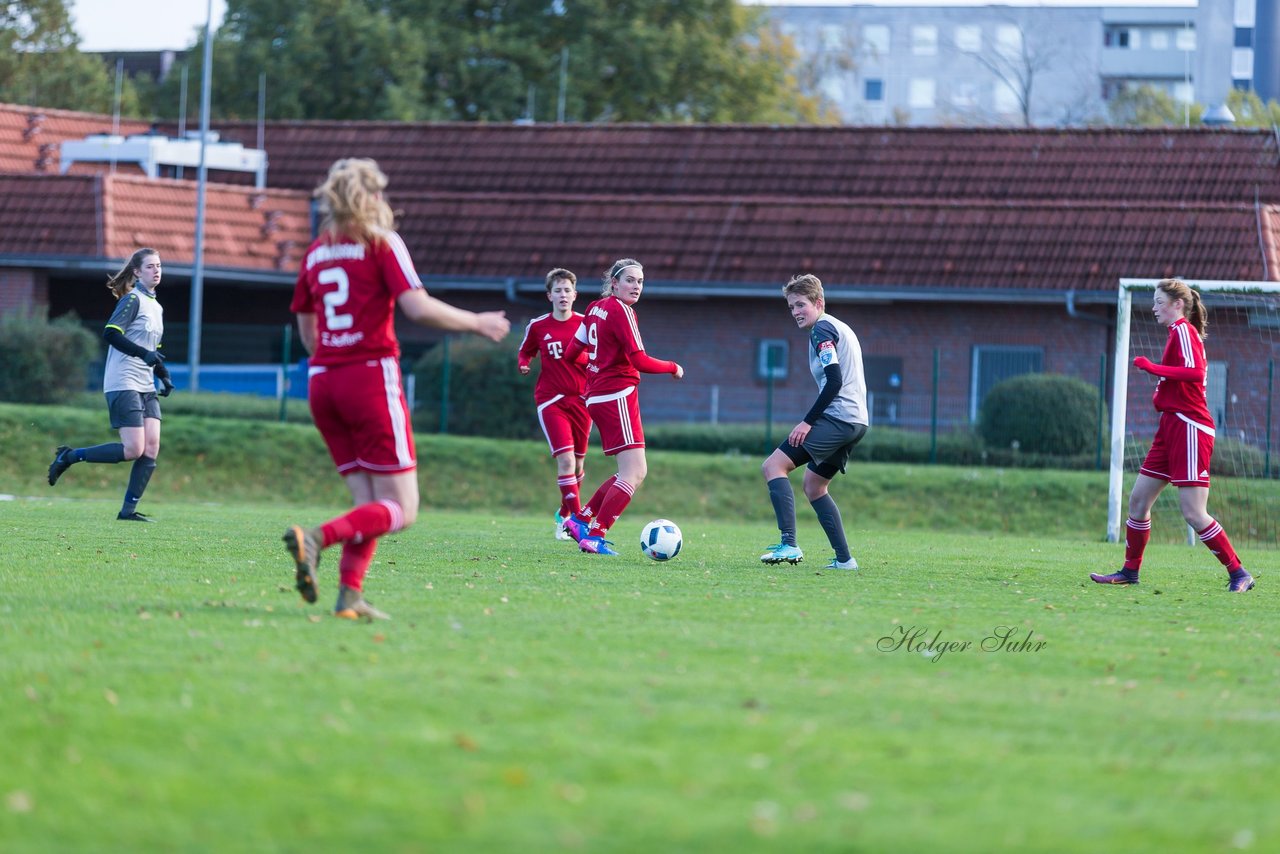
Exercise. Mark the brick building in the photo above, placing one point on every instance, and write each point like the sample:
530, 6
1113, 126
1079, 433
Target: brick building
998, 249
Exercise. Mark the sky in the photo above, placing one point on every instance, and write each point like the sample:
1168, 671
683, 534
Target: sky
170, 24
141, 24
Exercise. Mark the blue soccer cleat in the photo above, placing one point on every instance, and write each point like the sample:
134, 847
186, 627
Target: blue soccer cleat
576, 528
782, 552
1124, 576
597, 546
851, 563
1241, 581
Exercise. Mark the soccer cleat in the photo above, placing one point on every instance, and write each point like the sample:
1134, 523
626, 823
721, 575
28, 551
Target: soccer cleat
596, 546
1121, 577
851, 563
135, 516
304, 547
782, 552
1241, 581
561, 533
61, 462
576, 528
351, 605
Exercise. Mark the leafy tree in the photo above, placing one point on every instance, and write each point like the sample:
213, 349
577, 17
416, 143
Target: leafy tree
333, 59
502, 60
1249, 110
1146, 106
40, 62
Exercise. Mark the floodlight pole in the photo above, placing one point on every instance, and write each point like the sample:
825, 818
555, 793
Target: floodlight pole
197, 275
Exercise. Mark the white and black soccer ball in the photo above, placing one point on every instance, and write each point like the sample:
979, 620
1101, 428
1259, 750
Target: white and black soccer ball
661, 539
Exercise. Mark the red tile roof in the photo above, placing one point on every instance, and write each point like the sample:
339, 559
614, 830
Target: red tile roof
50, 215
30, 136
112, 215
1028, 210
1120, 165
1027, 246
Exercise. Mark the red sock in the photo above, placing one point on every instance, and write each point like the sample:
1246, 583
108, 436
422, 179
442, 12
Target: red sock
1136, 534
365, 522
355, 561
1216, 539
592, 510
568, 495
611, 508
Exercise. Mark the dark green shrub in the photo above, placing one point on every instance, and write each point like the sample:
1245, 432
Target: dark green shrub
43, 361
1041, 414
487, 395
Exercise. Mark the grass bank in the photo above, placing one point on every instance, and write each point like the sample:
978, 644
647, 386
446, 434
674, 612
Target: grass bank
226, 460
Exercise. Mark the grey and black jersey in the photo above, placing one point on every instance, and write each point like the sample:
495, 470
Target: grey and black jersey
140, 318
832, 342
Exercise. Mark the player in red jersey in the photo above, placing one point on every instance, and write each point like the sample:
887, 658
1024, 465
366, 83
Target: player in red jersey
615, 359
1183, 446
558, 391
351, 280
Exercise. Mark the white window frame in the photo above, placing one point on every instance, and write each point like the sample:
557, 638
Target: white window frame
968, 38
924, 40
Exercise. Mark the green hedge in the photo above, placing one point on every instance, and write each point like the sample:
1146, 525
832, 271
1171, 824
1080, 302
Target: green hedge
487, 395
43, 361
1041, 414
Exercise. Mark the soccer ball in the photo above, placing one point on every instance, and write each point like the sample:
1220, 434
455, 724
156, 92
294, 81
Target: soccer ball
661, 540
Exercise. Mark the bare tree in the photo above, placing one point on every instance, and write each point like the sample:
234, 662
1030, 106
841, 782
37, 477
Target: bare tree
1018, 66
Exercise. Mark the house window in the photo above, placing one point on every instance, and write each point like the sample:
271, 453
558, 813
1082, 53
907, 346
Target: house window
884, 388
1244, 36
832, 37
1242, 63
969, 38
1159, 39
964, 95
1184, 93
1186, 39
1009, 40
772, 357
1115, 37
1006, 99
1216, 392
874, 89
875, 37
922, 93
924, 40
994, 363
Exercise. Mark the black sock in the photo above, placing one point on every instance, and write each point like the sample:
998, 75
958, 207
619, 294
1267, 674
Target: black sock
784, 508
139, 476
112, 452
829, 517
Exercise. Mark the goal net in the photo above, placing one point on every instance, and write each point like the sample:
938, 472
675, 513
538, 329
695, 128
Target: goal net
1242, 348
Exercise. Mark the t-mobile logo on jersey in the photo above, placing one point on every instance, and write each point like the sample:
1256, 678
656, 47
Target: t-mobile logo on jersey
555, 349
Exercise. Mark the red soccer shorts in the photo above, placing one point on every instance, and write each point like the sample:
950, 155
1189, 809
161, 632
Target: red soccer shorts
566, 424
617, 417
1180, 453
362, 414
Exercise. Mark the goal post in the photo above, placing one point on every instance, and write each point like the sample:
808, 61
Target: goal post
1257, 311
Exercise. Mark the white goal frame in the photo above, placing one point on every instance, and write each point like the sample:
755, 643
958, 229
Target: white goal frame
1120, 378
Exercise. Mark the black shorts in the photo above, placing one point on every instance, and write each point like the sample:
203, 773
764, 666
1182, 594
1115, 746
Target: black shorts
128, 408
827, 447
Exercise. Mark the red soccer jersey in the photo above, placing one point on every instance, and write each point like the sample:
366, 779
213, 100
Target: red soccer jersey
1184, 349
550, 338
610, 335
352, 290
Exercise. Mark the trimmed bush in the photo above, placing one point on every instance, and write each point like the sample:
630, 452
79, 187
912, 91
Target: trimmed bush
43, 361
1041, 414
487, 395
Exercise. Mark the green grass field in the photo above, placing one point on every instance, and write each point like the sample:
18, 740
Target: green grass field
163, 688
